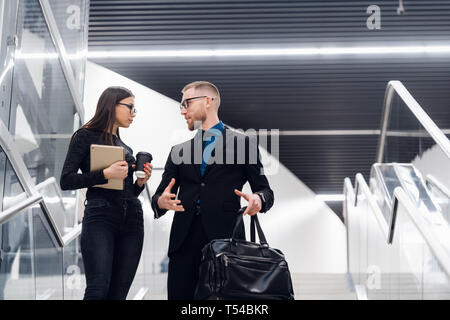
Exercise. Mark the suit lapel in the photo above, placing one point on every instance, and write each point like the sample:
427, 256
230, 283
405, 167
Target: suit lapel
195, 159
225, 138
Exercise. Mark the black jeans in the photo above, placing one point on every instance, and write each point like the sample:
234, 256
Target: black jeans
111, 244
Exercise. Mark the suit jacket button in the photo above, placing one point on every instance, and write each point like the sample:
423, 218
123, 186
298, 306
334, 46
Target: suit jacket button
202, 184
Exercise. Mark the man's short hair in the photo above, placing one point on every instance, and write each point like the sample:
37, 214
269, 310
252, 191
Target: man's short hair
204, 85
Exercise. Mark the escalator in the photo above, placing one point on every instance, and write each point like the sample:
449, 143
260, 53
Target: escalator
398, 232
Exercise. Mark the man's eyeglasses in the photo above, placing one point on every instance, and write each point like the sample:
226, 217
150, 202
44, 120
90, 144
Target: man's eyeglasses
130, 106
185, 103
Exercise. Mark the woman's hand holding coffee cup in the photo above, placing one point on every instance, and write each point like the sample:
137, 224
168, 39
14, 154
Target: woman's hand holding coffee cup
118, 170
148, 173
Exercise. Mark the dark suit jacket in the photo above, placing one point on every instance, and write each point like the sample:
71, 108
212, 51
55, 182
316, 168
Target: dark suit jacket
215, 189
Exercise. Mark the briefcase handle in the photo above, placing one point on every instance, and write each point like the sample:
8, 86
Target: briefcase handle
254, 222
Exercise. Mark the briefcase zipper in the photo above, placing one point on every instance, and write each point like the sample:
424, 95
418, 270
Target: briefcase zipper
260, 259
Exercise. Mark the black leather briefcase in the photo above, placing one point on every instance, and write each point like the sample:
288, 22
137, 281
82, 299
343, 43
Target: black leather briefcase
238, 269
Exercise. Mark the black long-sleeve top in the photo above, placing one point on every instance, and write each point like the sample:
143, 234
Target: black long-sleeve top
78, 157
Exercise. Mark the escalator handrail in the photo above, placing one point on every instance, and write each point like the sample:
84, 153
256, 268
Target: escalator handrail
418, 112
433, 243
72, 235
400, 197
348, 188
349, 193
360, 183
18, 165
349, 196
439, 185
9, 213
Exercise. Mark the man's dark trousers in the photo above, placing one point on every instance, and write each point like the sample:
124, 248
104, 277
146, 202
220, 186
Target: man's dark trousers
185, 263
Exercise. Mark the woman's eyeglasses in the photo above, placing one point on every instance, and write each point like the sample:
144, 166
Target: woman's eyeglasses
130, 106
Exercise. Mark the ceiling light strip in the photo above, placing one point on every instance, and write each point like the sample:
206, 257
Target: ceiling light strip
270, 52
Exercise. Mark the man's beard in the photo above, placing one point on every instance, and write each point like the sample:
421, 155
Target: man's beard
197, 123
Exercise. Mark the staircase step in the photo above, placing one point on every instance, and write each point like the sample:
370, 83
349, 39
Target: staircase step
316, 286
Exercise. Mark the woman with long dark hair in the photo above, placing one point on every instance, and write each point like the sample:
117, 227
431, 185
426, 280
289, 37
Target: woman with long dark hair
113, 228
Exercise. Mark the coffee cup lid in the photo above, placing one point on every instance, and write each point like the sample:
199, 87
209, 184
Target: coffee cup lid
144, 153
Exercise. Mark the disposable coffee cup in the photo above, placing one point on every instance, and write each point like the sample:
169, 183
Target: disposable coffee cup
141, 159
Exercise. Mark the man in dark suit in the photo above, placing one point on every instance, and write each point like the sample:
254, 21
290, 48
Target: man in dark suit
208, 172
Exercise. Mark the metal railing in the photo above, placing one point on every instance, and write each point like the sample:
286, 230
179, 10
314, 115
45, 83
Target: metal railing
348, 192
413, 214
24, 177
8, 214
433, 130
439, 252
360, 183
430, 179
400, 195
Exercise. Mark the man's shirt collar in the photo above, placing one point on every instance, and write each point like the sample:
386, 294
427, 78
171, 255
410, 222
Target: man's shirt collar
215, 130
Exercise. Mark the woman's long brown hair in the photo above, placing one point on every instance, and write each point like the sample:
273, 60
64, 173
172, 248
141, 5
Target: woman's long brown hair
105, 114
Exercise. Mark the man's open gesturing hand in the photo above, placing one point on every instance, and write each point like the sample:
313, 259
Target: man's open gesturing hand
254, 202
167, 199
